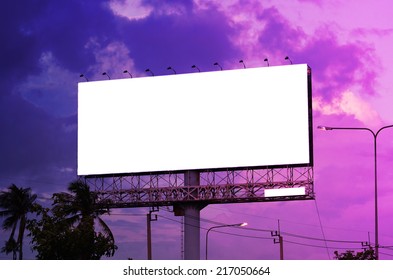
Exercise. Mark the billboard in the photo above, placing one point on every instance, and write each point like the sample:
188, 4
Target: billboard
251, 117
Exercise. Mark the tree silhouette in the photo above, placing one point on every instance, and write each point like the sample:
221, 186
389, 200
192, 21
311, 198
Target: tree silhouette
73, 228
351, 255
16, 204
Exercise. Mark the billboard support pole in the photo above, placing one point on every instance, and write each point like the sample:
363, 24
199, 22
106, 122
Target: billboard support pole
191, 232
191, 213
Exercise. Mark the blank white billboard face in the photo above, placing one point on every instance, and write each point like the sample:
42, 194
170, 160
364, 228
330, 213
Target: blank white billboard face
225, 119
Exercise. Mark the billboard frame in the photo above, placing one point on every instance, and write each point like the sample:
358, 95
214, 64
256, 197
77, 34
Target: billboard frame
310, 150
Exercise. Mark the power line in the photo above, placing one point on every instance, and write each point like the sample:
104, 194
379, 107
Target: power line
119, 214
387, 247
284, 233
318, 246
320, 239
320, 223
285, 220
262, 230
292, 234
223, 232
204, 220
386, 254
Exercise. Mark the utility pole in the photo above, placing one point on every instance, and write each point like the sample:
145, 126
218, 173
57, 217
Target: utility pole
149, 219
280, 240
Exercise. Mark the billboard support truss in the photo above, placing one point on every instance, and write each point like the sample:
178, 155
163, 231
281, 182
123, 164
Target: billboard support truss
231, 186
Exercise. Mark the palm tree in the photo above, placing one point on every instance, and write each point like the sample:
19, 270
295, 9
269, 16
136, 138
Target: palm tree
10, 247
16, 203
83, 212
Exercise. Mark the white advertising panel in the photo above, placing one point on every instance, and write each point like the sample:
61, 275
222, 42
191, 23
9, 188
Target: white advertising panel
224, 119
285, 192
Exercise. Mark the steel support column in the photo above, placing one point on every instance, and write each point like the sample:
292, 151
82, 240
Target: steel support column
191, 212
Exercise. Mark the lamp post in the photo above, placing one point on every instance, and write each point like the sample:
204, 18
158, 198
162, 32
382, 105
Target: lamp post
375, 135
221, 226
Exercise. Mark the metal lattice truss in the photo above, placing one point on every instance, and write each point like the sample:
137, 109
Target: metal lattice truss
232, 186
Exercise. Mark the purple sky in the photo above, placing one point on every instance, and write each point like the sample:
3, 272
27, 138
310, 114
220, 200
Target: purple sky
46, 45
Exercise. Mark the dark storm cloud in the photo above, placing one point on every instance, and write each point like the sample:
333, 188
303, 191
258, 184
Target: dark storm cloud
37, 149
46, 44
177, 4
60, 27
36, 30
32, 143
180, 40
19, 50
65, 27
278, 34
43, 46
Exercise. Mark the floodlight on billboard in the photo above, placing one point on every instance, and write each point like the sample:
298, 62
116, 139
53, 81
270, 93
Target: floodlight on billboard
252, 117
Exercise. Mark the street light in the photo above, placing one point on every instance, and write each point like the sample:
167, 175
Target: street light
221, 226
375, 135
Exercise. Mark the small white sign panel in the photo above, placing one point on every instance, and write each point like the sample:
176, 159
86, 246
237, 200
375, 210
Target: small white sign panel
285, 192
223, 119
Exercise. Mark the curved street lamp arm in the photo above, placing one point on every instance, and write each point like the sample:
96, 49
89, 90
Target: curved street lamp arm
382, 128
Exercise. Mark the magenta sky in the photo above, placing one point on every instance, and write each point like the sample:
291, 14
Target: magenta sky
347, 44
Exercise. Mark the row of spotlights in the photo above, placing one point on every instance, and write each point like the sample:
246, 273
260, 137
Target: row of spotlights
193, 66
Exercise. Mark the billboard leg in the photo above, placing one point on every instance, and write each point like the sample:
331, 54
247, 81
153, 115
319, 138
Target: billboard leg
191, 232
191, 213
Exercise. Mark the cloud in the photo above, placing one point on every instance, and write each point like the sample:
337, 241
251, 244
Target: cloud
35, 146
180, 40
170, 8
134, 10
53, 89
112, 58
262, 31
130, 9
350, 104
379, 32
316, 2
